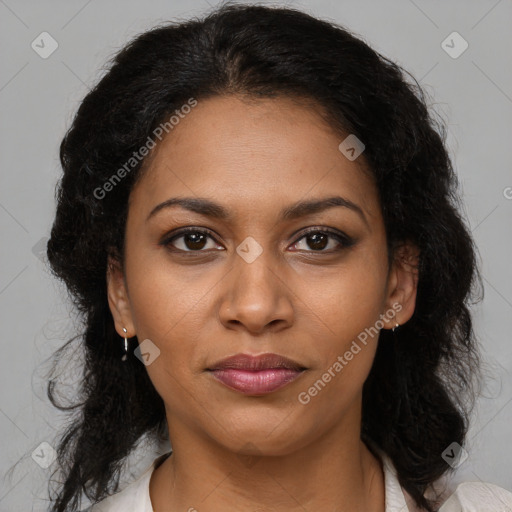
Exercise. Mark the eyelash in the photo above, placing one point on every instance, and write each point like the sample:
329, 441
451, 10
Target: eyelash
344, 240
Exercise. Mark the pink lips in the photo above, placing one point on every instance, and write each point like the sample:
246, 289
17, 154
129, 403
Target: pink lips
256, 375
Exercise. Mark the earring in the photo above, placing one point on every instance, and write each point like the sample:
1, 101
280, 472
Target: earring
125, 355
396, 325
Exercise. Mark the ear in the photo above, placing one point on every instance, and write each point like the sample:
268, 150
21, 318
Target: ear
402, 285
118, 299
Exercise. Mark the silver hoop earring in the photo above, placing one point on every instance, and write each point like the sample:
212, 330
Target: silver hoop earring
125, 355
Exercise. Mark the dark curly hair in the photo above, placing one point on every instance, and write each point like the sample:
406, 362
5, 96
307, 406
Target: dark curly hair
420, 392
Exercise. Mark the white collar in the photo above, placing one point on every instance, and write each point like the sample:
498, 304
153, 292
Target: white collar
484, 496
396, 499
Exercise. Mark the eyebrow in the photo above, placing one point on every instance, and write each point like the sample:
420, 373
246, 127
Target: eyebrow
299, 209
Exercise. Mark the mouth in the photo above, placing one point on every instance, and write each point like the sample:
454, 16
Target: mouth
256, 375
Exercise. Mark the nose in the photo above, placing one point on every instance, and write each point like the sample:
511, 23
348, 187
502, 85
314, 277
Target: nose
256, 296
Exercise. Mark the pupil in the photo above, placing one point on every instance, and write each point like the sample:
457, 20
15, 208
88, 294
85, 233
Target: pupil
316, 237
192, 240
196, 241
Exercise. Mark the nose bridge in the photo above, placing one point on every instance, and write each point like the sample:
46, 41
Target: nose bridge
257, 295
255, 268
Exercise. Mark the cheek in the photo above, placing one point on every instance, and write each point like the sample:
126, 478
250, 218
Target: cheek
347, 300
343, 318
168, 309
165, 298
168, 313
345, 344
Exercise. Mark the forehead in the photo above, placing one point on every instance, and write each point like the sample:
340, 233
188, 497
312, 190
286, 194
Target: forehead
254, 156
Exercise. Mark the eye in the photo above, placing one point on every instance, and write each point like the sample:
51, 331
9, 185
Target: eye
318, 239
193, 240
196, 240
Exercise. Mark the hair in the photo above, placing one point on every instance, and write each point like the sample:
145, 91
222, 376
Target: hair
420, 391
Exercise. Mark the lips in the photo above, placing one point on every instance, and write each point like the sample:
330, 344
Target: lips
256, 375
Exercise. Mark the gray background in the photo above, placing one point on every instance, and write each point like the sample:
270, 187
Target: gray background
38, 97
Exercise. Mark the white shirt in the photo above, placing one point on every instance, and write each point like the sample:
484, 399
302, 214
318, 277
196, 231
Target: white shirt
467, 497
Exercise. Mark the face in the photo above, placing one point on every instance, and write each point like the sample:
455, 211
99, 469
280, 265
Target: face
312, 285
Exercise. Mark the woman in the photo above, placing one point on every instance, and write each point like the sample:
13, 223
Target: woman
258, 222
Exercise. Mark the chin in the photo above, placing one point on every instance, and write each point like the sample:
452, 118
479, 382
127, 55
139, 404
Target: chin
264, 437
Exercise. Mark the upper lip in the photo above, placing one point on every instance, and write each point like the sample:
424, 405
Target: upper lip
254, 363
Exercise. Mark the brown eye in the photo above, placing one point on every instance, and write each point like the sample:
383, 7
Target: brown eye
190, 240
317, 240
194, 241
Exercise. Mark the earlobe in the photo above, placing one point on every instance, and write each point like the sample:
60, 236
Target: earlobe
403, 284
118, 300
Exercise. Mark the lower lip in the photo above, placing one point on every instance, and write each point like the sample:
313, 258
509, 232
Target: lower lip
258, 382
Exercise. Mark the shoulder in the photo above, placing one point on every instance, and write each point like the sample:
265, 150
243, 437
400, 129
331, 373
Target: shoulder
466, 497
478, 497
134, 497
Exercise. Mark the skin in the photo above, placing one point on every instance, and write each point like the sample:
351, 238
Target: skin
308, 302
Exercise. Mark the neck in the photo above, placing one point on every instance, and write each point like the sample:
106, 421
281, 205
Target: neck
328, 474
